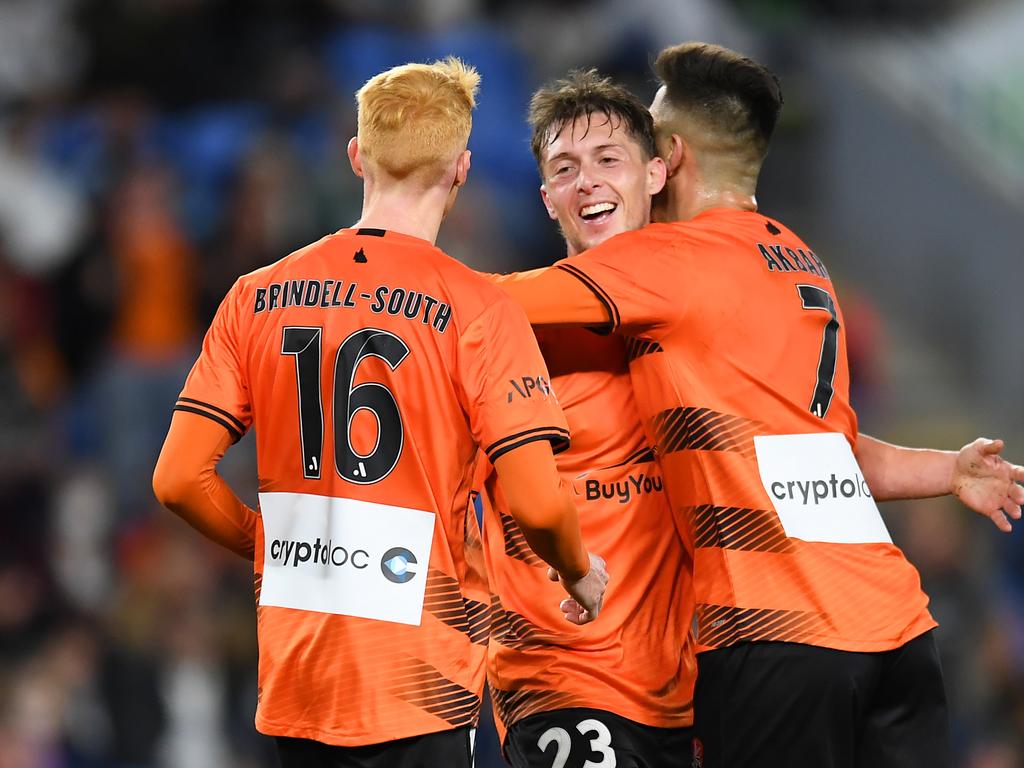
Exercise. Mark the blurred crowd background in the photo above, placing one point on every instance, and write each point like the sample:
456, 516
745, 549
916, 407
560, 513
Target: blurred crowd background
153, 150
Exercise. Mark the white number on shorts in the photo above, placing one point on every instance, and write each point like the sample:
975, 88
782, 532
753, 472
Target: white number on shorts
561, 738
602, 743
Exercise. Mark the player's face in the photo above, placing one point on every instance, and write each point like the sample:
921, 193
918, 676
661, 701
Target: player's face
597, 181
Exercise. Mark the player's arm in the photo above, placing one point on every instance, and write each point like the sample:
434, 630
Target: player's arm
976, 474
543, 509
519, 428
637, 282
186, 482
553, 296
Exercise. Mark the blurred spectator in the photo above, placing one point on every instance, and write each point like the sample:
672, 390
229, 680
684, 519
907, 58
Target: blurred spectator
154, 329
40, 48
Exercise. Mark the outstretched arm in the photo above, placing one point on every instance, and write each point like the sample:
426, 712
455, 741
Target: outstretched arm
552, 296
186, 482
982, 479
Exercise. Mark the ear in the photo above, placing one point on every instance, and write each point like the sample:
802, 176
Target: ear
547, 204
657, 174
462, 168
353, 157
674, 151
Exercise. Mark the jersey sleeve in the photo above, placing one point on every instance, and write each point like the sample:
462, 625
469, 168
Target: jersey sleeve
216, 387
507, 387
633, 277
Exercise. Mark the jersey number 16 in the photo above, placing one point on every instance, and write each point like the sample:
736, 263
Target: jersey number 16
305, 343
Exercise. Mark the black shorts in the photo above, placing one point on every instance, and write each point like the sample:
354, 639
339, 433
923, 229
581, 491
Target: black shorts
573, 737
787, 704
446, 749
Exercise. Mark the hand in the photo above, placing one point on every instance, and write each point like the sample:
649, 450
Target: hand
985, 482
586, 594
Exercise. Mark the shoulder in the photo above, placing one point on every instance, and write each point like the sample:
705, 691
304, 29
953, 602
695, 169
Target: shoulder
475, 294
269, 272
646, 241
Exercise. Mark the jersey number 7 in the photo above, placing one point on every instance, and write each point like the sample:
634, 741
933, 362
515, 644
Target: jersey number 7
814, 297
304, 343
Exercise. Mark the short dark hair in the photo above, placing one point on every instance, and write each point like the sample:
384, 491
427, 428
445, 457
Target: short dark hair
581, 94
732, 93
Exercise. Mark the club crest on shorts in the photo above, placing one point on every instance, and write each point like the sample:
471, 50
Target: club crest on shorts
698, 754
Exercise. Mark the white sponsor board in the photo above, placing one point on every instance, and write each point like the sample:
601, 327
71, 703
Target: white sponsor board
818, 490
344, 556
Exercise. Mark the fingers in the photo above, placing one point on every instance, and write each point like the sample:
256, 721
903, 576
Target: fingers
1016, 494
1000, 521
584, 603
580, 617
552, 574
1017, 473
573, 612
990, 447
569, 605
586, 594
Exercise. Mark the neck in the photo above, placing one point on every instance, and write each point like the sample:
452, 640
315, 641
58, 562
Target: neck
694, 205
403, 208
698, 187
684, 201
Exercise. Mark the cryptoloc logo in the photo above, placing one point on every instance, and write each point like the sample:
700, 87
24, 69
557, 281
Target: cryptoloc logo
294, 553
817, 491
395, 565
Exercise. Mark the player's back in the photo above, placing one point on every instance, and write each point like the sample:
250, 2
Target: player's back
637, 659
745, 394
343, 332
368, 362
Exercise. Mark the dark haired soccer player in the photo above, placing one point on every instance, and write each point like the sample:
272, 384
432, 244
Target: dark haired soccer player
617, 691
814, 639
373, 366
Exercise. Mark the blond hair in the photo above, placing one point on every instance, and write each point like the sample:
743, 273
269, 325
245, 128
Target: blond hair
417, 117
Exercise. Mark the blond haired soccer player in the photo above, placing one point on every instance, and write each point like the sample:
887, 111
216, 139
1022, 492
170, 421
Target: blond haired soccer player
372, 367
618, 691
814, 640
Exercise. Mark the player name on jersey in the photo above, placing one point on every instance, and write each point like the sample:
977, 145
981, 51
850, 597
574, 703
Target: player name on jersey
780, 258
327, 293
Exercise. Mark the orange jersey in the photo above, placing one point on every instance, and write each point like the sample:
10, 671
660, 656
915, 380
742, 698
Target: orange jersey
741, 377
372, 366
636, 659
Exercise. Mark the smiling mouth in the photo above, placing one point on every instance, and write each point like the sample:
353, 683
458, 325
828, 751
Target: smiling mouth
597, 212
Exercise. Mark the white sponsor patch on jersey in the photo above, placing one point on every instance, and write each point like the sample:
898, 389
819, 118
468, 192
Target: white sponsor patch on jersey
344, 556
818, 489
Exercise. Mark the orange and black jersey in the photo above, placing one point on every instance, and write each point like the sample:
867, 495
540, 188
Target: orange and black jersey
637, 659
741, 377
372, 367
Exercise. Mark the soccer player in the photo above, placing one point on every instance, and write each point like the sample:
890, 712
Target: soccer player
372, 366
814, 638
618, 691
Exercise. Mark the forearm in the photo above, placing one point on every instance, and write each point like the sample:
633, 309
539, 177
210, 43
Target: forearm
552, 531
895, 472
552, 297
212, 508
543, 508
185, 481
